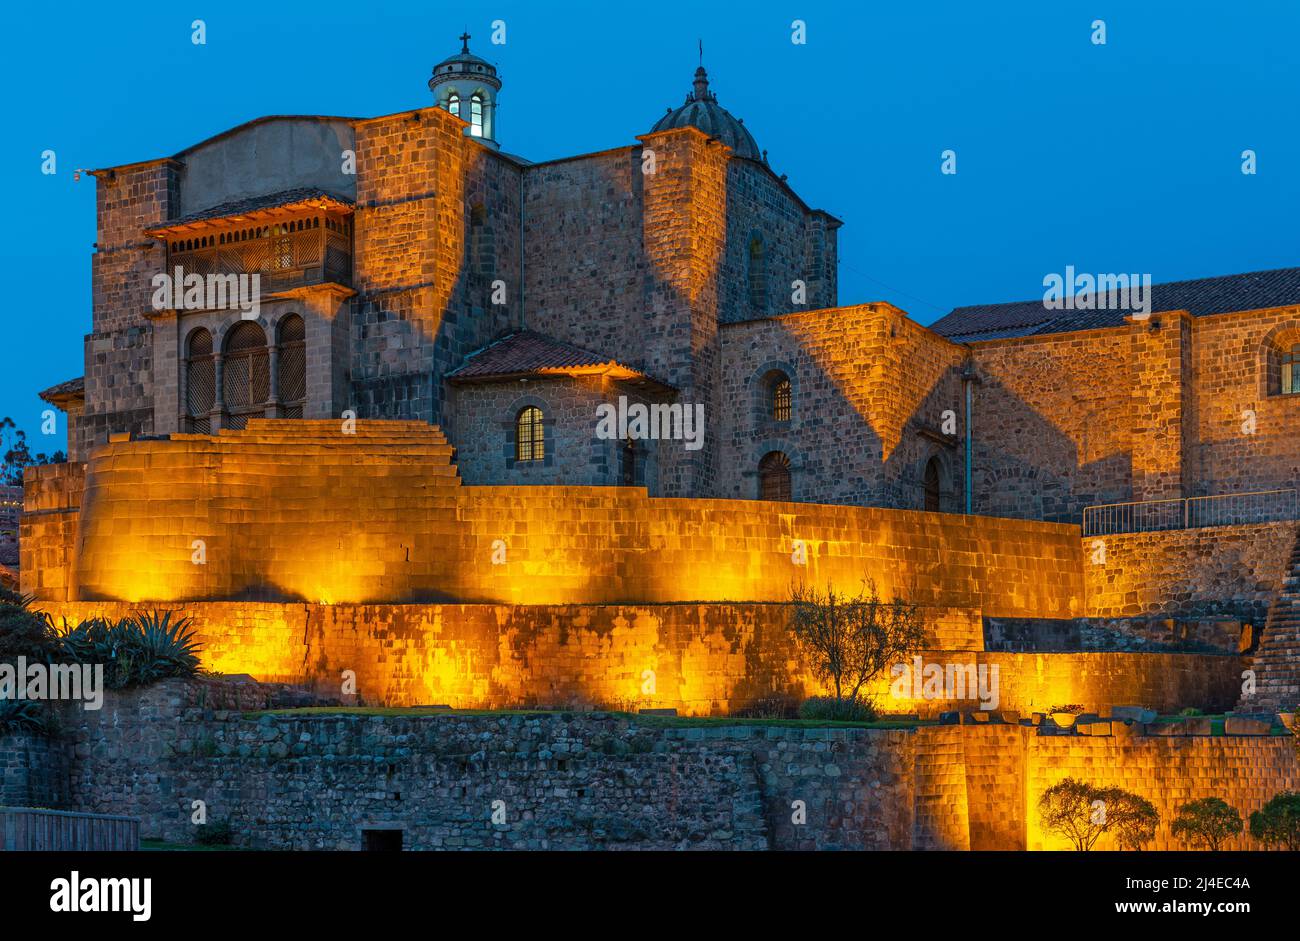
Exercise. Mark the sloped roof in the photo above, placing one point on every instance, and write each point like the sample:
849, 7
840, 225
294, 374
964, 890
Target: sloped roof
527, 353
1201, 297
301, 196
72, 389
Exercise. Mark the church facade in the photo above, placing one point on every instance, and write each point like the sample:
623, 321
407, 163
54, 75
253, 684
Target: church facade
663, 314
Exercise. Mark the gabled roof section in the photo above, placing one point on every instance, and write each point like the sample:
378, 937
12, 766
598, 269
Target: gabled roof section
65, 392
1201, 297
254, 208
528, 354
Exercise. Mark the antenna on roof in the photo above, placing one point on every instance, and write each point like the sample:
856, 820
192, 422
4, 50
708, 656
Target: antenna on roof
701, 53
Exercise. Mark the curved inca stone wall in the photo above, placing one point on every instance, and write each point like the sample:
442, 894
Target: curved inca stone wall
301, 511
708, 659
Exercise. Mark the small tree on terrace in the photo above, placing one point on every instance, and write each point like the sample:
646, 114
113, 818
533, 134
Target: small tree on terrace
1206, 823
850, 639
1081, 813
1133, 819
1278, 822
1067, 808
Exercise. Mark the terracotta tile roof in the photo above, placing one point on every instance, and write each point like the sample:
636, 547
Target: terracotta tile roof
1202, 297
73, 388
531, 354
304, 195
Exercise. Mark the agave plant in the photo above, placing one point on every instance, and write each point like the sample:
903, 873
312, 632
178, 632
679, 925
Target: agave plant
22, 715
136, 650
161, 648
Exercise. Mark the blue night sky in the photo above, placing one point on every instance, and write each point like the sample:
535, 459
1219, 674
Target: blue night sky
1117, 158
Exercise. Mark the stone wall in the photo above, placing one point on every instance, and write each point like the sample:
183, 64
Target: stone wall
51, 510
713, 659
869, 390
436, 223
600, 781
1232, 380
1223, 571
1053, 424
1168, 771
567, 781
485, 423
33, 770
302, 511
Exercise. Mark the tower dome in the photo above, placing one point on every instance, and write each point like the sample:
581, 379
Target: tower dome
702, 110
467, 86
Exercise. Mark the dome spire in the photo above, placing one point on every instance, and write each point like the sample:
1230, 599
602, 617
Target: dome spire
467, 86
701, 110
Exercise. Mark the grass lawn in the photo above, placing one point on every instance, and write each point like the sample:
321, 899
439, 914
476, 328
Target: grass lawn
175, 847
649, 721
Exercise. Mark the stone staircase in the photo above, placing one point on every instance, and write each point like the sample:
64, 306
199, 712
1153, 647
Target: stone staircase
1277, 659
405, 442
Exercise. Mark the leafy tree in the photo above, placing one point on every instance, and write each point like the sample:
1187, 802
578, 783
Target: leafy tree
849, 640
1081, 813
1206, 823
16, 455
1133, 819
1278, 822
1067, 808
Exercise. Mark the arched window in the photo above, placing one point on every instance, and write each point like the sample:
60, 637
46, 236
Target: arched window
757, 275
530, 440
291, 378
245, 374
774, 477
1289, 370
200, 382
476, 115
453, 104
782, 398
930, 483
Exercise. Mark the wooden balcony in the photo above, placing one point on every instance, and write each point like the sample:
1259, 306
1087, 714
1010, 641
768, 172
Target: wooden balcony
288, 253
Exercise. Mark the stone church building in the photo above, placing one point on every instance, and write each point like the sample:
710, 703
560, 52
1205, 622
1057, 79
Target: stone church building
411, 267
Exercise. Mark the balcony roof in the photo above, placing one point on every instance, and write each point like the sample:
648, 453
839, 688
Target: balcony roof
253, 209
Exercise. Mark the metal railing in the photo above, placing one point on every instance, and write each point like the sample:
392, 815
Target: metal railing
1228, 509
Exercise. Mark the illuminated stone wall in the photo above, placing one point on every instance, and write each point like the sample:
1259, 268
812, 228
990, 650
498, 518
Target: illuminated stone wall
1230, 571
1053, 424
437, 221
713, 659
1168, 771
1231, 380
48, 528
301, 511
869, 389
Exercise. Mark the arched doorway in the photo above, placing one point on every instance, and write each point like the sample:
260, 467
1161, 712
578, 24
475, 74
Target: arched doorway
774, 477
931, 485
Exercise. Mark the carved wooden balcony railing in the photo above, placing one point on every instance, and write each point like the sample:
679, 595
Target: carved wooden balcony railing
287, 254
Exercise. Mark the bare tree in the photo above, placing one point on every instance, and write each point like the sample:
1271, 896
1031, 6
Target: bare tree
850, 639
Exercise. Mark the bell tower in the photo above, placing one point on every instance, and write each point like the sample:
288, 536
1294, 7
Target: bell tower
467, 86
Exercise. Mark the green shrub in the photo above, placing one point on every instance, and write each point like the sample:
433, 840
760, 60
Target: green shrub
26, 633
1191, 712
135, 651
829, 709
21, 715
1278, 822
1206, 823
218, 833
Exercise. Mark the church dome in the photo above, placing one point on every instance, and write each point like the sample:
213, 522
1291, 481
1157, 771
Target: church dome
701, 110
467, 86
